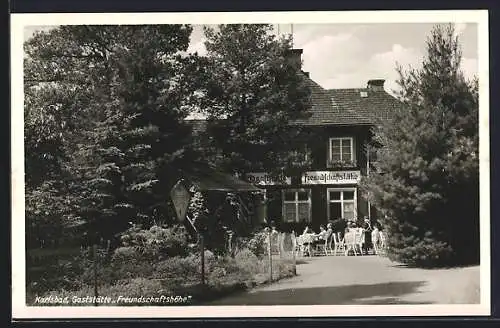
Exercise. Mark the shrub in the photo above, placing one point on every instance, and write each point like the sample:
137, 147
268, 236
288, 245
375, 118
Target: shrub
247, 261
156, 243
257, 244
126, 254
417, 251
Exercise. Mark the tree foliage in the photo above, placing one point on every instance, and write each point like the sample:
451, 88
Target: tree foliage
253, 92
427, 178
104, 112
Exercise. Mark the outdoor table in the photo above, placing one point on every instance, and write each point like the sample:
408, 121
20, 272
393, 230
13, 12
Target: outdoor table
306, 240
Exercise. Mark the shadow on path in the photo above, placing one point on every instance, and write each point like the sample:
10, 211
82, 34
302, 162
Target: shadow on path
385, 293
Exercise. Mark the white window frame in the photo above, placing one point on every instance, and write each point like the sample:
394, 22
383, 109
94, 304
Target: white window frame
296, 202
341, 201
351, 139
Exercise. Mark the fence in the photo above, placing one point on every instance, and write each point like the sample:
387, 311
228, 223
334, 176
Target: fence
281, 252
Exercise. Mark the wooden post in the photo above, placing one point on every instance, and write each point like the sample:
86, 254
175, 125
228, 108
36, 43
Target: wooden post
270, 256
202, 250
94, 251
368, 174
294, 245
281, 239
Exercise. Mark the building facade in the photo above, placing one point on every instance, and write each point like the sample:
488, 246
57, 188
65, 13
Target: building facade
335, 146
326, 189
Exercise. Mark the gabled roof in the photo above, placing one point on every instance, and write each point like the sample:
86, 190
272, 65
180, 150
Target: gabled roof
339, 107
377, 105
326, 110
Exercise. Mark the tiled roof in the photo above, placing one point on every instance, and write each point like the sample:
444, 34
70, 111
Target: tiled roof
339, 107
326, 110
377, 105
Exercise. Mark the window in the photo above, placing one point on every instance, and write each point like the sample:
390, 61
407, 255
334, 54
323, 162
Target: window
341, 150
296, 205
342, 203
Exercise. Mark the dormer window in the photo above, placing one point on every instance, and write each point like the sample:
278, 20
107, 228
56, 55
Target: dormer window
341, 150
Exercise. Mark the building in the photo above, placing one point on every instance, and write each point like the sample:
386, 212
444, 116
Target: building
327, 188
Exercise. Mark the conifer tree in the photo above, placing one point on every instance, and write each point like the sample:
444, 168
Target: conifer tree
427, 178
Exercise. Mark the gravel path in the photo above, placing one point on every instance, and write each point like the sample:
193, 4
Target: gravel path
364, 280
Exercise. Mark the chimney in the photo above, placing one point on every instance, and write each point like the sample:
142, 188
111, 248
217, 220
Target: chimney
295, 57
376, 85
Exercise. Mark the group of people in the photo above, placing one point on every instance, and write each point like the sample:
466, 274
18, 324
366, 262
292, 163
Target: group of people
310, 239
371, 234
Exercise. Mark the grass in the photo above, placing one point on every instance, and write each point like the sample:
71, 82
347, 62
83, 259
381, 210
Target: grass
177, 277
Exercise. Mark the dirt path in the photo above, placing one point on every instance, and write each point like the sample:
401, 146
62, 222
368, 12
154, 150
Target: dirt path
364, 280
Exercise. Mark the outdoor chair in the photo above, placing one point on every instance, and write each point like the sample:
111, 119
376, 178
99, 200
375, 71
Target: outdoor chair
340, 246
319, 248
307, 241
353, 242
360, 240
322, 248
382, 243
376, 241
298, 245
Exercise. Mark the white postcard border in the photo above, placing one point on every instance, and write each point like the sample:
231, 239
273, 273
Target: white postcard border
19, 21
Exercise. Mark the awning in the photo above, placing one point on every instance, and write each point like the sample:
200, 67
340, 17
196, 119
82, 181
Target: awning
206, 178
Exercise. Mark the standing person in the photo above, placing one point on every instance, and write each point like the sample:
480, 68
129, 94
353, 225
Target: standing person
375, 238
367, 230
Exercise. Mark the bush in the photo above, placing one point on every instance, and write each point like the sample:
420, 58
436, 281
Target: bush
257, 244
421, 252
178, 269
156, 243
248, 261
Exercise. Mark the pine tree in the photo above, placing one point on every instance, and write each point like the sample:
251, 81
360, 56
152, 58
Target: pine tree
253, 93
427, 179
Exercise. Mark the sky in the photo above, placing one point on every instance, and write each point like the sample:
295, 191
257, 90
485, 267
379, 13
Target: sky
348, 55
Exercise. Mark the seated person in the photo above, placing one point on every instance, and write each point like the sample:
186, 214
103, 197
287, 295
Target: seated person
323, 233
319, 237
329, 229
350, 226
274, 230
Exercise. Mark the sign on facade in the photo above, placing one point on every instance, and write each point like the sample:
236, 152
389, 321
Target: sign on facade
180, 197
331, 177
266, 179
